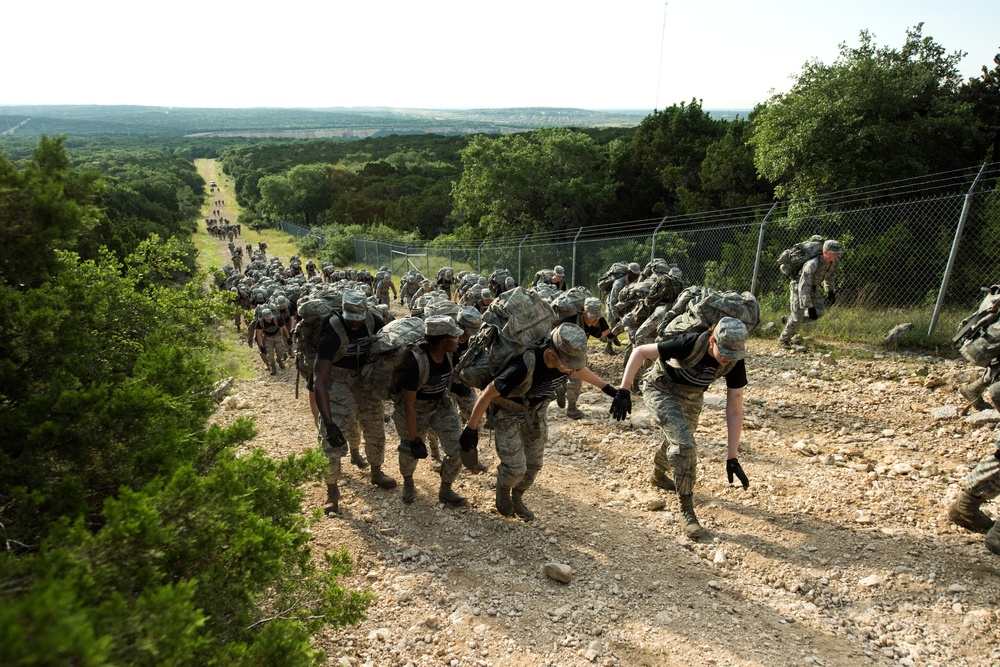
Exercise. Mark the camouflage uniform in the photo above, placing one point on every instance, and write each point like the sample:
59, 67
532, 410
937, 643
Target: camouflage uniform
440, 416
382, 288
804, 294
982, 484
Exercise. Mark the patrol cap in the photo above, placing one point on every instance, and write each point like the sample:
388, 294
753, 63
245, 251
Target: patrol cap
442, 325
592, 307
634, 268
487, 295
354, 305
731, 338
267, 314
676, 272
426, 282
559, 271
570, 344
832, 245
469, 318
509, 283
282, 301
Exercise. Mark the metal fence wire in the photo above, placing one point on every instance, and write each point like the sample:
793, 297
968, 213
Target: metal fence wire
907, 244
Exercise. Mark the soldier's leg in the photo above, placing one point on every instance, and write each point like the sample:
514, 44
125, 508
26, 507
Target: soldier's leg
795, 319
445, 421
533, 436
407, 462
271, 350
371, 415
353, 435
510, 451
573, 389
342, 407
980, 485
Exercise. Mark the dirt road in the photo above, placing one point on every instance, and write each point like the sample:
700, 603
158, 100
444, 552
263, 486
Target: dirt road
839, 553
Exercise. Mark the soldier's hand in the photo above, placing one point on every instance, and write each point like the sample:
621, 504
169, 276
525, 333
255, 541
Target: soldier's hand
334, 435
460, 389
621, 406
262, 350
813, 315
831, 297
733, 467
469, 439
614, 341
609, 390
418, 449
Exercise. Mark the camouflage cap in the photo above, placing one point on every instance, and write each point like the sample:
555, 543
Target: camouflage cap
355, 306
486, 295
267, 314
570, 344
832, 245
676, 272
731, 338
442, 325
559, 271
470, 319
426, 282
592, 307
634, 268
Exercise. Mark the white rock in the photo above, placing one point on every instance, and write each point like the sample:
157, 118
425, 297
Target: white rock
902, 468
957, 588
715, 584
559, 572
944, 412
720, 558
871, 580
641, 421
983, 417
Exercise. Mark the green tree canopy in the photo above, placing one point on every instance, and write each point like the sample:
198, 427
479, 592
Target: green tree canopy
876, 114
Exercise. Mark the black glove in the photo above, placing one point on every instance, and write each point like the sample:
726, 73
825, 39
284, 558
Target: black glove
831, 297
334, 436
733, 467
262, 350
609, 390
614, 341
621, 406
469, 439
813, 315
460, 389
418, 449
288, 342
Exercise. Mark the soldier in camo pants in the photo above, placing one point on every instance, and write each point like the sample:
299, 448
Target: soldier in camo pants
979, 486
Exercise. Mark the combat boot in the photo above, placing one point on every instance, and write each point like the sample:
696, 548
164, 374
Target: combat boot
572, 412
689, 521
409, 490
332, 500
608, 349
993, 539
517, 500
449, 497
381, 479
274, 371
965, 512
358, 460
504, 504
660, 479
973, 394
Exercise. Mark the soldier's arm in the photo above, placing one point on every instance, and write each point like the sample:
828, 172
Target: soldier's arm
639, 354
482, 403
322, 377
734, 420
589, 377
410, 412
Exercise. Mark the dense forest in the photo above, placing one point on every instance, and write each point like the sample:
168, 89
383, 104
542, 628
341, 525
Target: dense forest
132, 532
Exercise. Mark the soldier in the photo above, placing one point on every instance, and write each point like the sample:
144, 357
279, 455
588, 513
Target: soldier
981, 485
556, 277
383, 285
426, 403
484, 300
630, 276
425, 288
344, 345
805, 298
674, 392
446, 280
595, 326
409, 288
271, 335
518, 398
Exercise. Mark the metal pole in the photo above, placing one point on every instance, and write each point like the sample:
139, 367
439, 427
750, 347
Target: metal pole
519, 257
954, 251
572, 271
652, 247
451, 262
760, 247
479, 258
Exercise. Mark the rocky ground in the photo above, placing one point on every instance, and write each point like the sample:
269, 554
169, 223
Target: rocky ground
840, 552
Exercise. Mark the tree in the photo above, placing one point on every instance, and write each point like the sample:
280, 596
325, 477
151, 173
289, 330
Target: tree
876, 114
984, 96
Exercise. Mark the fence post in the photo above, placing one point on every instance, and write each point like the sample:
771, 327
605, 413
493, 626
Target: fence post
572, 271
451, 261
652, 246
760, 248
519, 257
954, 251
479, 258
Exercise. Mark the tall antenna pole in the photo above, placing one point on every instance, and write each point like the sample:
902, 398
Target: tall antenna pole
659, 71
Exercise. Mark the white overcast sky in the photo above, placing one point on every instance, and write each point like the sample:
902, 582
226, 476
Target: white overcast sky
452, 53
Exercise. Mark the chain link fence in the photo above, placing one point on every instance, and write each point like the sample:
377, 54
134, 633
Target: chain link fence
900, 242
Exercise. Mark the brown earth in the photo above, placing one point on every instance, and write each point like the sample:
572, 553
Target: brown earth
840, 552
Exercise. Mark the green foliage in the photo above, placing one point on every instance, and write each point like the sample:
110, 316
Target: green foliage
875, 114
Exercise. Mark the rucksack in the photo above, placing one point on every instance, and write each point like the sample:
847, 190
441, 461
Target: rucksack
978, 337
664, 289
312, 314
607, 281
791, 260
657, 267
515, 322
391, 347
698, 310
569, 303
543, 277
546, 291
631, 295
497, 280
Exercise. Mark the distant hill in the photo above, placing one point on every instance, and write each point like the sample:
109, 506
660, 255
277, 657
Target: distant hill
340, 122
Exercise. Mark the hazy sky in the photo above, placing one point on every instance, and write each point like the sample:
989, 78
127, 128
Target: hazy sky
452, 54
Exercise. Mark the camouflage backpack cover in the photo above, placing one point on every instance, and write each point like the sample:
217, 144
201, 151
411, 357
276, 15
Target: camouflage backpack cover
515, 322
614, 272
569, 303
312, 313
546, 291
391, 346
791, 260
978, 337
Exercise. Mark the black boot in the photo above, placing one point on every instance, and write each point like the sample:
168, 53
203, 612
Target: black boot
517, 500
358, 460
504, 504
332, 500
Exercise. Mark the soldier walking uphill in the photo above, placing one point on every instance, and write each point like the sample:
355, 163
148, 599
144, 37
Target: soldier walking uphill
272, 340
632, 275
595, 326
426, 403
518, 398
806, 300
674, 392
343, 349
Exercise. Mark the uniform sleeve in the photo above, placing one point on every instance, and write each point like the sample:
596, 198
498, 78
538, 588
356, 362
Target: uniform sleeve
806, 283
830, 283
737, 378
